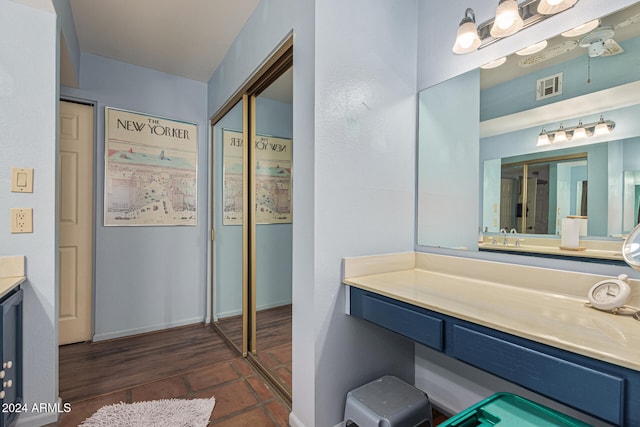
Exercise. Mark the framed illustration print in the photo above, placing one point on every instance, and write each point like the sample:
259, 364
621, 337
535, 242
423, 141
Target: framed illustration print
150, 170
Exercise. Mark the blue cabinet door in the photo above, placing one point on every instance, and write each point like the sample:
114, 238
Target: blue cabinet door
11, 390
598, 388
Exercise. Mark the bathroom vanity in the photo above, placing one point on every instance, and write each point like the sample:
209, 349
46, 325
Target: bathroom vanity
11, 278
530, 327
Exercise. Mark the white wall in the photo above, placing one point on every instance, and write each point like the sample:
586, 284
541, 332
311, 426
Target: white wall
28, 125
364, 189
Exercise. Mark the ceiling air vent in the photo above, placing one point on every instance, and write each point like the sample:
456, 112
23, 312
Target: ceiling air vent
549, 86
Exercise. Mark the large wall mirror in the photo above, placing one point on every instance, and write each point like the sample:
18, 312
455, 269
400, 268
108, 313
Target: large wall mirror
484, 171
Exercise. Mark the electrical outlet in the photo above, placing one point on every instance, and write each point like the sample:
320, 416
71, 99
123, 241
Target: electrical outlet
21, 220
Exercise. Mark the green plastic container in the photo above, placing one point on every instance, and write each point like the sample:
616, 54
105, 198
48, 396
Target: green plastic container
510, 410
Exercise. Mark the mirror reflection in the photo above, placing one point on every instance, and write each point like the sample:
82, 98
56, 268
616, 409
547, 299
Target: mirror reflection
535, 194
273, 235
228, 263
566, 83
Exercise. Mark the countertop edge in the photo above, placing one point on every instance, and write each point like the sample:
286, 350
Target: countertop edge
7, 284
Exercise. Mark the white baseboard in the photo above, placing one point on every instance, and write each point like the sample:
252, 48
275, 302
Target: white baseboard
136, 331
294, 421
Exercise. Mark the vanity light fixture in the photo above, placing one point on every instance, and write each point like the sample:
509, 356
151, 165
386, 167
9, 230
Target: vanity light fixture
562, 134
510, 18
551, 7
467, 39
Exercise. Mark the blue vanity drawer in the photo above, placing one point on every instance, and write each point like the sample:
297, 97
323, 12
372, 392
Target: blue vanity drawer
588, 390
412, 323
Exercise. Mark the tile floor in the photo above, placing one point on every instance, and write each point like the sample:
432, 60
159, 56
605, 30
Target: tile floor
242, 397
278, 361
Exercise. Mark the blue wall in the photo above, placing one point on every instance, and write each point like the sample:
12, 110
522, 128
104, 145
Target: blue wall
520, 94
146, 278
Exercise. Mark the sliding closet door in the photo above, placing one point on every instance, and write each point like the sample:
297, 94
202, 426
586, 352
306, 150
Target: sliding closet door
252, 217
271, 129
230, 299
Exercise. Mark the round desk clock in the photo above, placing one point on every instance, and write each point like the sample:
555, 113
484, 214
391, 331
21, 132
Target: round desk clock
610, 294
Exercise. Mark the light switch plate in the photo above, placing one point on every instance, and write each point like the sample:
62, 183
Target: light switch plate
22, 180
21, 220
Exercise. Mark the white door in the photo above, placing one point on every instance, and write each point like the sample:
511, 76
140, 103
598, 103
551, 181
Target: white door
76, 222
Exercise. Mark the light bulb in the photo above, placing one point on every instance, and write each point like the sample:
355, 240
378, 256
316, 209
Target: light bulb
508, 20
579, 132
601, 129
543, 138
467, 39
505, 20
551, 7
560, 135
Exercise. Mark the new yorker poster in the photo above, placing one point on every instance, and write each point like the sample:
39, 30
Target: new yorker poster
150, 170
273, 179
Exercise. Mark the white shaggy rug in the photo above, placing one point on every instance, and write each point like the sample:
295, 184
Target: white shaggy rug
156, 413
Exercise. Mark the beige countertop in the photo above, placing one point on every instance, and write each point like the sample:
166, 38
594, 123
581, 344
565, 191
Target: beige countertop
11, 273
542, 305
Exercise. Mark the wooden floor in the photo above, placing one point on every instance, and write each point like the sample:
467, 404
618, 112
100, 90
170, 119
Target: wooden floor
86, 369
186, 362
